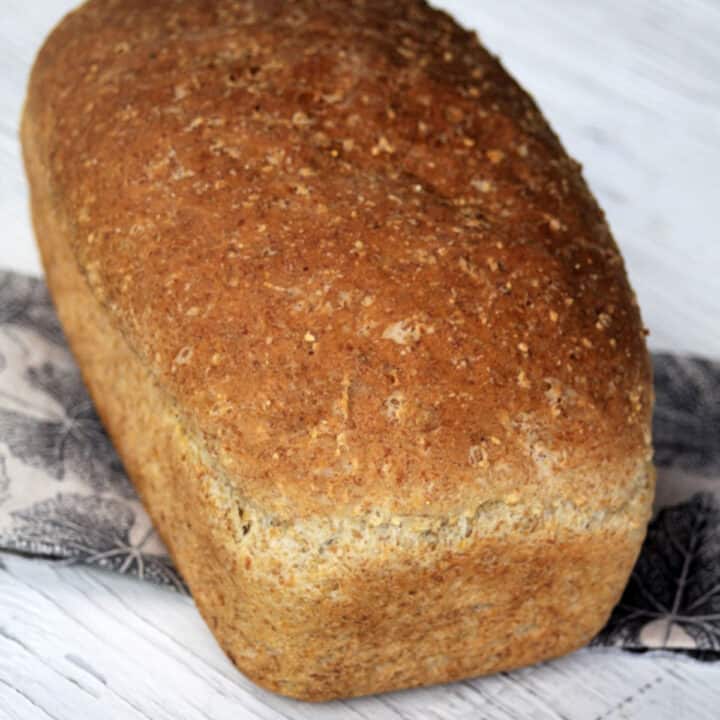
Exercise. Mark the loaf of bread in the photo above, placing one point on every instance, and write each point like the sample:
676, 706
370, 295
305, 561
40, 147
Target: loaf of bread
356, 326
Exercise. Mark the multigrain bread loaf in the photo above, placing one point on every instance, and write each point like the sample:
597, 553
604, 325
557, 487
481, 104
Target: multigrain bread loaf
357, 327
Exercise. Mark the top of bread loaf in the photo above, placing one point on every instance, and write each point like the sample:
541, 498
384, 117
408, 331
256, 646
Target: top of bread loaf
349, 248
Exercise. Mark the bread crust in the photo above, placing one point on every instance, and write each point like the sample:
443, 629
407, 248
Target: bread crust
357, 327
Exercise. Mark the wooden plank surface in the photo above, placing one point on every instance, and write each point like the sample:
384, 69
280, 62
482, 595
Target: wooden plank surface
79, 643
633, 89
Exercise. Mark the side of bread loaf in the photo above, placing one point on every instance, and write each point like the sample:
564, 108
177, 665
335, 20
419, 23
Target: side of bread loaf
357, 329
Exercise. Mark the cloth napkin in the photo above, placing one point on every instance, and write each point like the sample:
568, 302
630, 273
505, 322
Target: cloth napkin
64, 494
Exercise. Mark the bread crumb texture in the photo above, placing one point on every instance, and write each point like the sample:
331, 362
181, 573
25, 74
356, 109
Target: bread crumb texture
357, 326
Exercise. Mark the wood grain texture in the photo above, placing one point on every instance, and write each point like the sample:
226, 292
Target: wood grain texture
633, 89
83, 643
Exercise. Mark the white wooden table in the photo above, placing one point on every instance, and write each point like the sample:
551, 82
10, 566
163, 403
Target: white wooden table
633, 88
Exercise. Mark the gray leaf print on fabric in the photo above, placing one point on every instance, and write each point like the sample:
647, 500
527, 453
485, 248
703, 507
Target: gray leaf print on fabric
92, 530
673, 596
686, 423
73, 440
25, 303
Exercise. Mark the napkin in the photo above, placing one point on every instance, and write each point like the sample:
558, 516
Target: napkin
64, 493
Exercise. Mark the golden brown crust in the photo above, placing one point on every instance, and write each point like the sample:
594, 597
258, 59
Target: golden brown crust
351, 250
356, 326
323, 623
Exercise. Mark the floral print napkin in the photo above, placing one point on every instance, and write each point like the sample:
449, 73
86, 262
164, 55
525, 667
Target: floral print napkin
64, 494
63, 491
